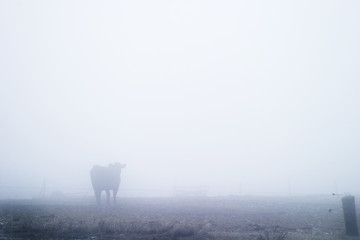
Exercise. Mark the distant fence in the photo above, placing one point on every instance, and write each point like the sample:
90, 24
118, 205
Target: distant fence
30, 192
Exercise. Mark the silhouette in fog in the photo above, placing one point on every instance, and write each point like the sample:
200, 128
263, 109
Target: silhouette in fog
106, 178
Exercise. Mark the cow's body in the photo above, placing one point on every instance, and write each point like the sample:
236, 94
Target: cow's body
106, 178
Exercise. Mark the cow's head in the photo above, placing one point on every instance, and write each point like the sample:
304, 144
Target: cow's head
117, 165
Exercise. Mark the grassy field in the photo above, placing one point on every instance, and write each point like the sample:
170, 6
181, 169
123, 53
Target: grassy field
233, 217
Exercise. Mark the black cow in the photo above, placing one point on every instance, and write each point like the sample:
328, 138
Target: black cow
106, 178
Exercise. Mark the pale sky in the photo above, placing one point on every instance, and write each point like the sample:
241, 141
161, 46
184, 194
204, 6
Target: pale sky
242, 97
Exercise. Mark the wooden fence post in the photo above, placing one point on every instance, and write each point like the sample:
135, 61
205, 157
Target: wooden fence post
348, 204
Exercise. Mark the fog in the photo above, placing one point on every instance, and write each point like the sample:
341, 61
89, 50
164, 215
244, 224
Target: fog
235, 97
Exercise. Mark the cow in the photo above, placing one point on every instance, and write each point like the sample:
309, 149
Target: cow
106, 178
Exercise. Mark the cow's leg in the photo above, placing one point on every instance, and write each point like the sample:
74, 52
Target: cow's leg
114, 195
108, 196
98, 196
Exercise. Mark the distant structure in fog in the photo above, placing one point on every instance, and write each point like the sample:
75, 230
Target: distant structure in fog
42, 190
190, 192
106, 178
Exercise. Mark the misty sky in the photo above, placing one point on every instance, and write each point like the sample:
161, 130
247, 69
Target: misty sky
242, 97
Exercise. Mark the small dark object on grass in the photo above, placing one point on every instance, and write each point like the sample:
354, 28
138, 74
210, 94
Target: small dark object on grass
182, 231
256, 227
273, 235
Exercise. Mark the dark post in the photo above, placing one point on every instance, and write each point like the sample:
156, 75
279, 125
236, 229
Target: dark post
348, 204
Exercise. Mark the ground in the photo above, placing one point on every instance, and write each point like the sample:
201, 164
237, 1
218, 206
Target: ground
225, 218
